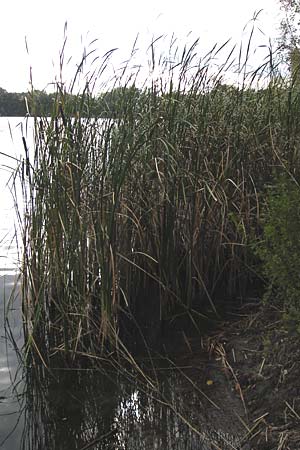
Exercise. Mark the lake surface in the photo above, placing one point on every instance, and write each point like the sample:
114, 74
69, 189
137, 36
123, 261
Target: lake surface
164, 407
11, 419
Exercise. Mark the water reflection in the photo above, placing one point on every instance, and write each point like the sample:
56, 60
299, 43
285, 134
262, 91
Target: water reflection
110, 409
10, 151
11, 388
69, 410
11, 339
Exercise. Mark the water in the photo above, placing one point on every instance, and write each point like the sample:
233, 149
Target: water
10, 151
158, 407
11, 419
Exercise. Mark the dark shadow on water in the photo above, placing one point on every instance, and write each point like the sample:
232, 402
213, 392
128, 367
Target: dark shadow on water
164, 408
154, 404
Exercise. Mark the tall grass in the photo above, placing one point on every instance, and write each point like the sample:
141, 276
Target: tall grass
148, 213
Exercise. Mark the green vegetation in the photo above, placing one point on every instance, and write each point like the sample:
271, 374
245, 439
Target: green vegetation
12, 104
19, 104
279, 250
39, 103
150, 214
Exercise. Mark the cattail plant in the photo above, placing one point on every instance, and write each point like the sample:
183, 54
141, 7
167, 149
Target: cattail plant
141, 203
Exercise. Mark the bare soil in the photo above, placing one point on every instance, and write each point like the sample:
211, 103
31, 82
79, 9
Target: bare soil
260, 356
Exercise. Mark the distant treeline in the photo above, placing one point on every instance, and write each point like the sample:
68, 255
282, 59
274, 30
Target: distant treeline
12, 103
42, 104
118, 102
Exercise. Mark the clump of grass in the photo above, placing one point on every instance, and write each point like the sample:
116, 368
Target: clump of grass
149, 211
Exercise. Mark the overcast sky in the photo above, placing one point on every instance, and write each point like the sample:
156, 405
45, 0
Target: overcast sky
115, 23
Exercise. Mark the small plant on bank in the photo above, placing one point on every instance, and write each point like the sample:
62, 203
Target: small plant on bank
280, 248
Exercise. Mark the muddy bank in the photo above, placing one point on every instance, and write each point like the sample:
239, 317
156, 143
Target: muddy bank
260, 355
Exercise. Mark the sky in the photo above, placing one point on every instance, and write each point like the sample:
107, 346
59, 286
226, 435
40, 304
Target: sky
32, 32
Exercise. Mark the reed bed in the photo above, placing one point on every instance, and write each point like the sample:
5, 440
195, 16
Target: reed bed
147, 210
